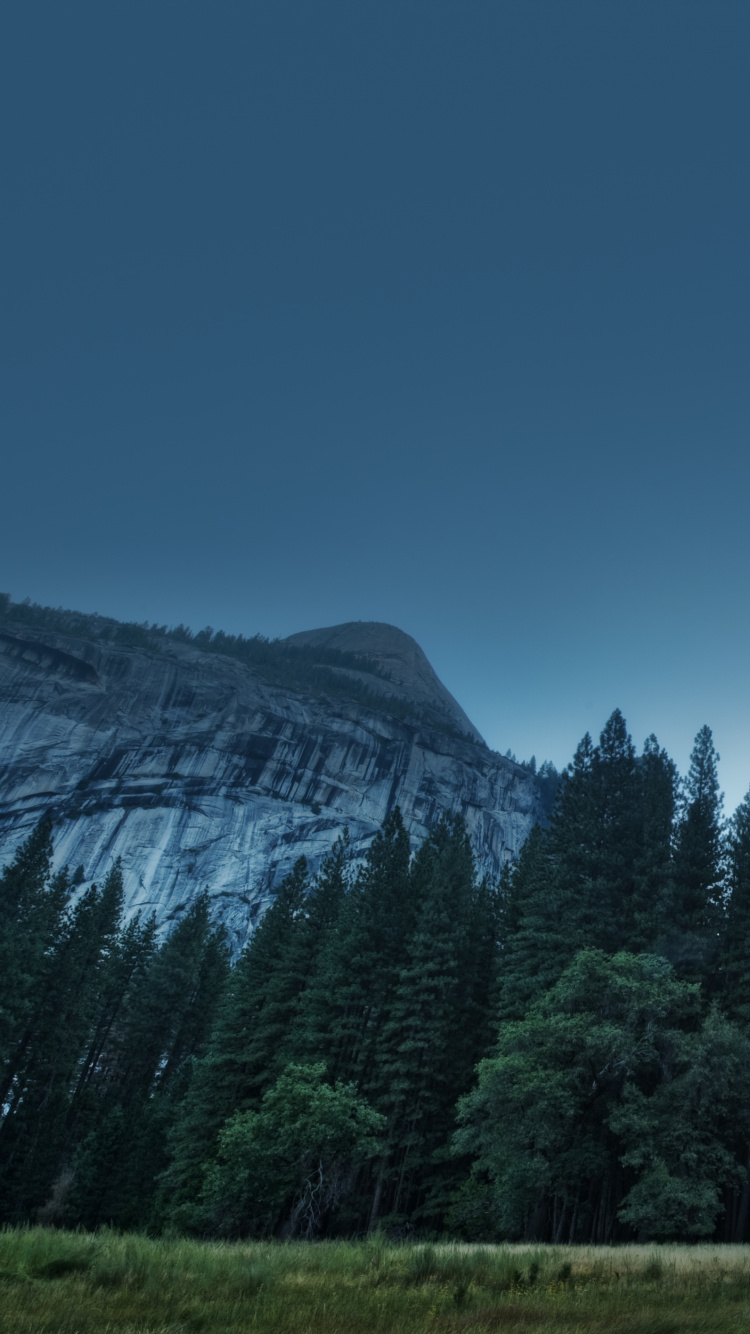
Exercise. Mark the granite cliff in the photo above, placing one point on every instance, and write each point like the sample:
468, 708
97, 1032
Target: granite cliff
199, 771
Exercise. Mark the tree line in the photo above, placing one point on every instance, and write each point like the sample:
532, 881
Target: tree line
563, 1055
312, 669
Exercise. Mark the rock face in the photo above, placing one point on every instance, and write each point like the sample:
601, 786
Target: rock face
200, 774
409, 675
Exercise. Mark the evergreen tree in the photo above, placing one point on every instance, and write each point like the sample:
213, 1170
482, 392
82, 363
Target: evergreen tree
123, 974
33, 1131
653, 870
534, 949
735, 964
32, 903
163, 1025
243, 1056
600, 875
346, 1003
696, 913
597, 839
435, 1028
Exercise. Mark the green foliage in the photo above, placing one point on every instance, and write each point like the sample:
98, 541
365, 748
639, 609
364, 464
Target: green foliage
290, 1165
99, 1025
682, 1139
612, 1069
600, 874
735, 958
312, 1091
436, 1027
31, 908
128, 1100
43, 1066
345, 1005
253, 1022
696, 911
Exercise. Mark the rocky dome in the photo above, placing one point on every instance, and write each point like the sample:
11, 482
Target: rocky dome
406, 672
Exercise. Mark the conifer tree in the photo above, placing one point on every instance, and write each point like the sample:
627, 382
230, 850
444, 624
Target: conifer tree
345, 1005
32, 902
653, 870
243, 1055
162, 1026
123, 974
434, 1031
697, 907
534, 949
600, 875
33, 1131
735, 962
596, 839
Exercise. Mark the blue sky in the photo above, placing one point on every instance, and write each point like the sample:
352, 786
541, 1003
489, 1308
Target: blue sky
431, 313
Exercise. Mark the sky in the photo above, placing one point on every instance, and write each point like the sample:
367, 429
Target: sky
404, 310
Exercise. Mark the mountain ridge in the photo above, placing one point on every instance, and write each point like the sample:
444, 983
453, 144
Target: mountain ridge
199, 773
408, 672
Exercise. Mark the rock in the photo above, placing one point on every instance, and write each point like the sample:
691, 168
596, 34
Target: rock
200, 774
409, 675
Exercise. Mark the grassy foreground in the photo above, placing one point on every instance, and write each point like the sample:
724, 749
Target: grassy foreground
109, 1284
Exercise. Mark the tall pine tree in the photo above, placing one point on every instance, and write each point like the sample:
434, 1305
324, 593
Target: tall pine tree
697, 907
735, 961
435, 1029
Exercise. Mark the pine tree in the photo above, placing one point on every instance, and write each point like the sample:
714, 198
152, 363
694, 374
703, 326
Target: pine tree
122, 976
596, 838
33, 1132
735, 963
653, 868
534, 949
32, 903
346, 1003
243, 1056
163, 1025
697, 907
434, 1032
600, 875
547, 896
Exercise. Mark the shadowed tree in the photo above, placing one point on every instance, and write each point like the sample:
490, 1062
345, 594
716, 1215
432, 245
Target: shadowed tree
697, 907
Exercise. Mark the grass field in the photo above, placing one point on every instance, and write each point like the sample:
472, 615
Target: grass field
110, 1284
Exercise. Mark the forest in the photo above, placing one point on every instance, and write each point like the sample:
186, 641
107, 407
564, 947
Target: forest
402, 1048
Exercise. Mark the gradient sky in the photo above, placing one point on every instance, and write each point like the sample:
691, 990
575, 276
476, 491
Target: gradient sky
423, 312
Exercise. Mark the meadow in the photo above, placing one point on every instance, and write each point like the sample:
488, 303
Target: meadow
106, 1283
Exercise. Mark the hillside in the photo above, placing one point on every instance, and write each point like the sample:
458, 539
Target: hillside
210, 761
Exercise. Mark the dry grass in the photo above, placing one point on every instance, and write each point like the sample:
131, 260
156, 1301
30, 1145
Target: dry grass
108, 1284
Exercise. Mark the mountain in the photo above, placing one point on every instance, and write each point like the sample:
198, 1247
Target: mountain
217, 761
403, 671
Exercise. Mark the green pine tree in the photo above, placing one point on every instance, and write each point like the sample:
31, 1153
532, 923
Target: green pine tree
244, 1053
346, 1003
33, 1133
32, 903
697, 906
163, 1025
735, 961
601, 874
435, 1030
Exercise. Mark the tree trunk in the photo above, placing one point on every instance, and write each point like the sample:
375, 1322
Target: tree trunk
742, 1212
377, 1196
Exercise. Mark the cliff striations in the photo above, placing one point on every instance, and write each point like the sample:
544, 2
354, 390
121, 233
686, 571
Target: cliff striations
199, 772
